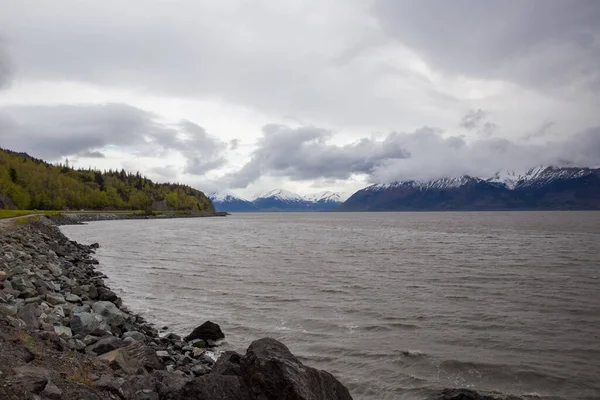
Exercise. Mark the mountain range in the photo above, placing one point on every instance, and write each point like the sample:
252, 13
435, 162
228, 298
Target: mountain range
541, 188
277, 200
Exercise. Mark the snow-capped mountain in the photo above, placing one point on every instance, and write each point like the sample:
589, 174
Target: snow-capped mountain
538, 176
281, 200
544, 187
277, 200
327, 197
226, 201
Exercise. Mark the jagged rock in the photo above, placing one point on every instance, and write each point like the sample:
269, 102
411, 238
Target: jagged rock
33, 379
28, 315
84, 323
28, 293
106, 344
200, 370
94, 246
169, 384
134, 335
121, 359
73, 298
19, 283
105, 294
63, 331
146, 356
268, 371
117, 386
52, 392
207, 331
460, 394
55, 298
110, 313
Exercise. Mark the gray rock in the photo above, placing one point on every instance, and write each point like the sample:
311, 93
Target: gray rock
81, 309
105, 345
134, 335
117, 386
63, 331
3, 276
8, 309
120, 359
52, 392
72, 298
146, 355
84, 323
55, 298
54, 269
28, 293
29, 316
163, 354
110, 313
19, 283
200, 369
33, 379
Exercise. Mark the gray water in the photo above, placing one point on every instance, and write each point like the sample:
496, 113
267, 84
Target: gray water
395, 305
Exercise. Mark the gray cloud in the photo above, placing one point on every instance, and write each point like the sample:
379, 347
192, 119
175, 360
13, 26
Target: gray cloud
427, 153
305, 153
5, 66
541, 43
91, 154
435, 155
53, 132
472, 119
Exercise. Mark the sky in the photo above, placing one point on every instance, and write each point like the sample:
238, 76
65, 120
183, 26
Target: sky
304, 95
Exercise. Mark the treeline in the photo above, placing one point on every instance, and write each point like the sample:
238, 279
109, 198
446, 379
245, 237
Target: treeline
28, 183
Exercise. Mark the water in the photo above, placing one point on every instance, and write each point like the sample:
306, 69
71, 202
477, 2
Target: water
395, 305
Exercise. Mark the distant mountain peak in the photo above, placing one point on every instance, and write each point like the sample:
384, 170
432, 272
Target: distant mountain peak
280, 194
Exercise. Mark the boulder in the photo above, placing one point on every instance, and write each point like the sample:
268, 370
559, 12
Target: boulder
33, 379
268, 371
55, 298
106, 344
207, 331
72, 298
105, 294
29, 315
145, 355
63, 331
120, 359
84, 323
460, 394
134, 335
110, 313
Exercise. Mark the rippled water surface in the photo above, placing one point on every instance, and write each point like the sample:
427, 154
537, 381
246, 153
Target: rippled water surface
393, 304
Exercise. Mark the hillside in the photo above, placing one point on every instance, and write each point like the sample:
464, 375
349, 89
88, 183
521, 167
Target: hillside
542, 188
29, 183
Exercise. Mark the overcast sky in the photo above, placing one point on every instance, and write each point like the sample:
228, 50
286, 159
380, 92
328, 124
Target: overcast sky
300, 94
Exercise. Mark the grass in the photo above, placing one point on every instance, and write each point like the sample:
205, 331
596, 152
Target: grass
28, 341
82, 375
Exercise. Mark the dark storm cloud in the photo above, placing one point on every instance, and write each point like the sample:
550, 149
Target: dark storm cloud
543, 43
53, 132
305, 153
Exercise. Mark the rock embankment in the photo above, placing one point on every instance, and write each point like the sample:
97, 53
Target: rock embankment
80, 218
64, 335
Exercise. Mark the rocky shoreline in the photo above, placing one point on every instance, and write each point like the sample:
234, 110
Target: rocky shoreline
80, 218
65, 335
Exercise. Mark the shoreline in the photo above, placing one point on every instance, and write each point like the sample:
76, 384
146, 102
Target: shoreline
64, 334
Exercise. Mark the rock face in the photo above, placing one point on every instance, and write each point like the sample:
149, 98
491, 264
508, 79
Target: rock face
207, 331
268, 371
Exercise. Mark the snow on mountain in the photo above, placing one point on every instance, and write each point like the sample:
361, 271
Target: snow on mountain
537, 176
278, 194
442, 183
224, 196
327, 197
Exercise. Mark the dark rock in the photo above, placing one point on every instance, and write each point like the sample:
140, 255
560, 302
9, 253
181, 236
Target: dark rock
52, 392
94, 246
228, 364
145, 355
460, 394
83, 323
207, 331
169, 384
137, 336
106, 344
120, 359
33, 379
118, 386
222, 387
271, 369
105, 294
268, 371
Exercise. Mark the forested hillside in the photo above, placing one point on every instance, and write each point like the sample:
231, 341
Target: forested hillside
29, 183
